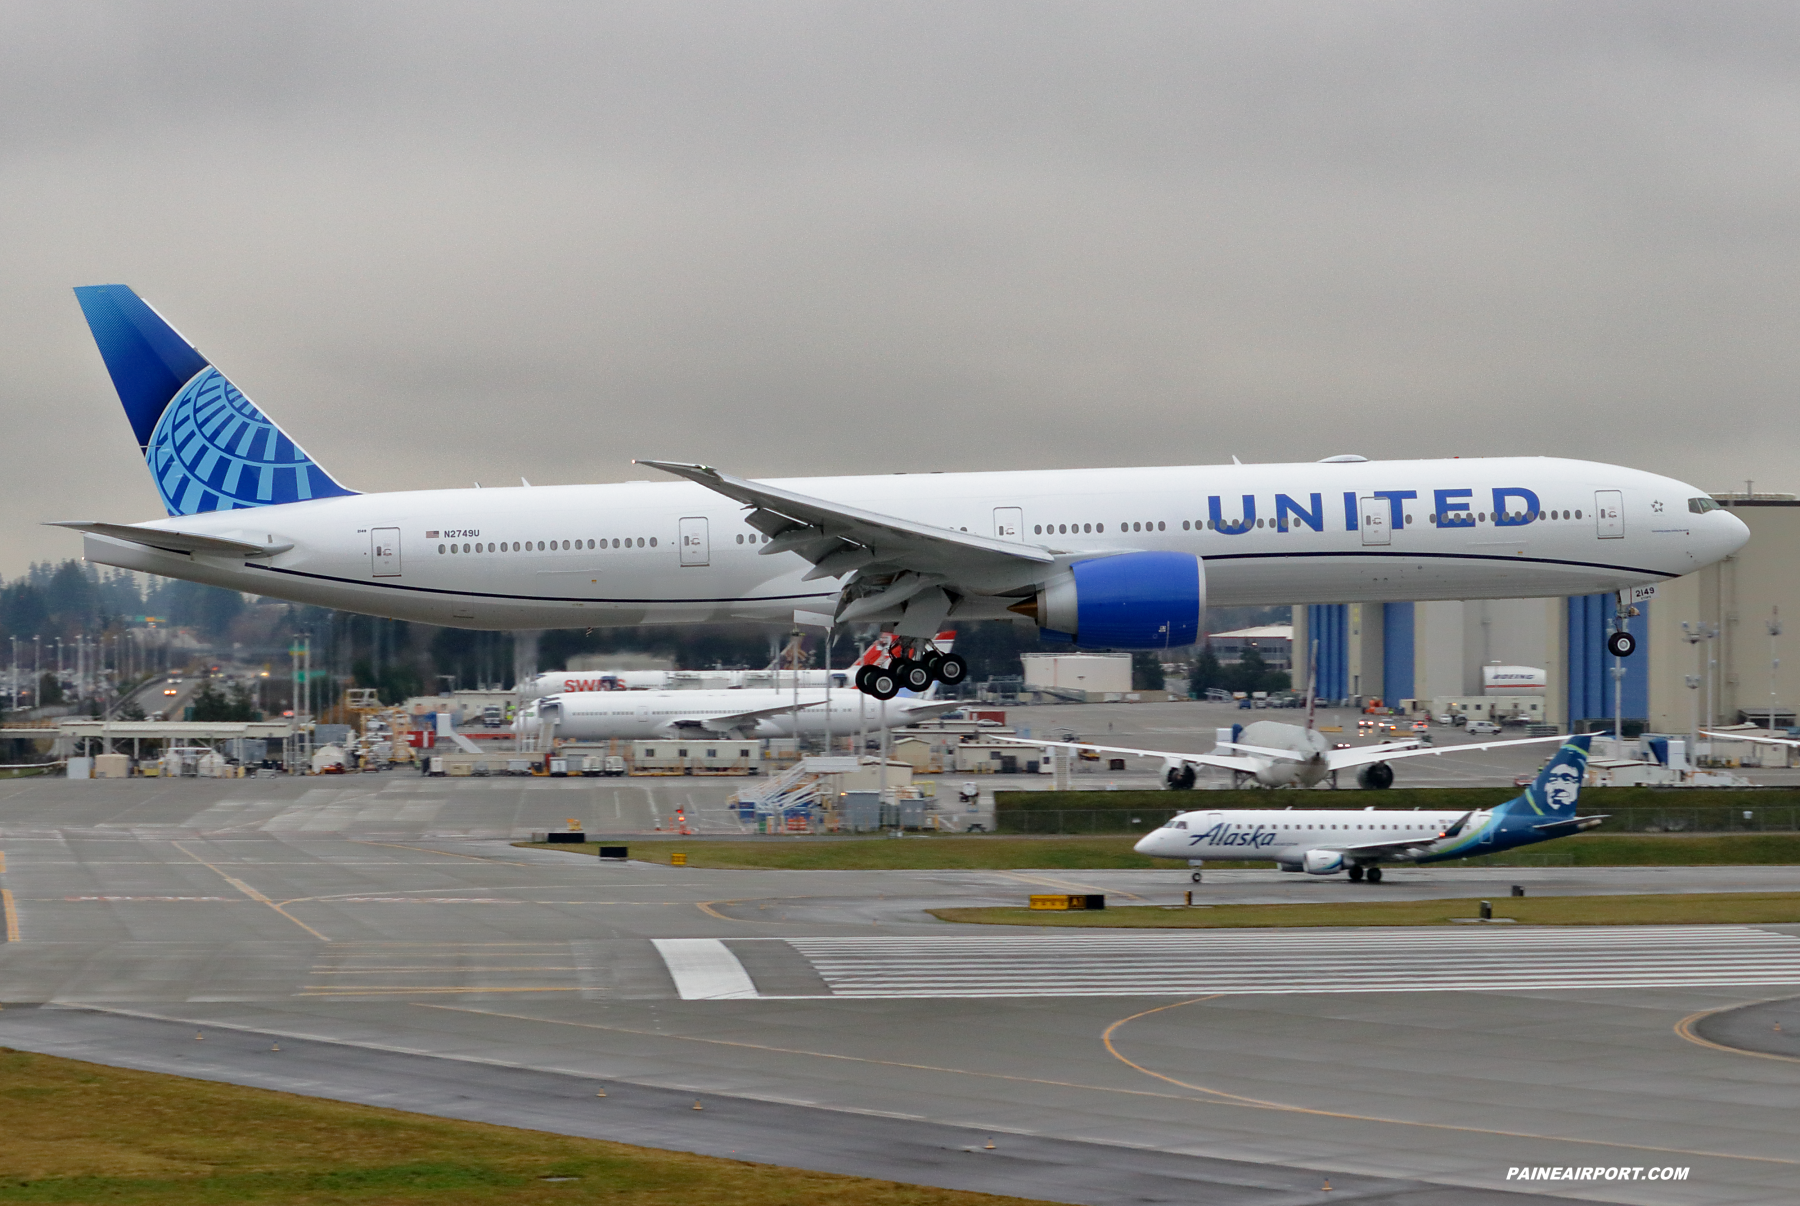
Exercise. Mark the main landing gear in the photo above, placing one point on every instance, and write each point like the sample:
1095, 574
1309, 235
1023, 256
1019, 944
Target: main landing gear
1359, 874
911, 669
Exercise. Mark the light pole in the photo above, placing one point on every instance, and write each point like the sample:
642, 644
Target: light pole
1694, 633
1693, 682
1774, 626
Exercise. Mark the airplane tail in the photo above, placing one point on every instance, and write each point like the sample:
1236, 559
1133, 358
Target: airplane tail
208, 447
1558, 786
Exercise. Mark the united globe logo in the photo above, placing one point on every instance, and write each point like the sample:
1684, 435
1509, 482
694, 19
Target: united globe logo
212, 450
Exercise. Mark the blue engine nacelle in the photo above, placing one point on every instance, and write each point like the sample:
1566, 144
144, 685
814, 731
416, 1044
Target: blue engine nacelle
1132, 601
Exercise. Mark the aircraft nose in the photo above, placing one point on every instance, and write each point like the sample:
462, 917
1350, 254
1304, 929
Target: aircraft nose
1734, 533
1146, 843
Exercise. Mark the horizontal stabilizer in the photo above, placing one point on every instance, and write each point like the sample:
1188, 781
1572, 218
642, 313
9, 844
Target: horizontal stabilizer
173, 542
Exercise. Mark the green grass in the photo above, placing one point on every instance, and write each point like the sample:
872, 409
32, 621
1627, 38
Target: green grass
1666, 850
915, 852
1000, 852
78, 1133
1746, 908
1600, 799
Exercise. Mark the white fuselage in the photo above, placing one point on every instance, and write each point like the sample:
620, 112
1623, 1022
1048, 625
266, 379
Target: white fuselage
1285, 835
1310, 744
557, 682
675, 552
639, 715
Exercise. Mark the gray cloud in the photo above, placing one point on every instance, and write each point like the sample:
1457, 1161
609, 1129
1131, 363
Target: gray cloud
449, 242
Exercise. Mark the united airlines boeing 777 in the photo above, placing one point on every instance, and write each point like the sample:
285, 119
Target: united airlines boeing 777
1122, 558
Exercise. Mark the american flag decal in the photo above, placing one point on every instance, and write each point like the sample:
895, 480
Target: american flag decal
431, 535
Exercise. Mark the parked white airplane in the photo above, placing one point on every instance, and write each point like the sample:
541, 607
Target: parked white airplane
734, 711
636, 715
1288, 755
1122, 558
1327, 841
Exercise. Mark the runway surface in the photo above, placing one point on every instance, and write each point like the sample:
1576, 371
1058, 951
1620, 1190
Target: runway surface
824, 1014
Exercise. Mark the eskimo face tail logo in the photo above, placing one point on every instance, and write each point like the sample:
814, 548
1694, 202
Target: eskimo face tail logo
212, 450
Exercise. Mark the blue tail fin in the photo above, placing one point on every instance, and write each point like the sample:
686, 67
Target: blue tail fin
207, 445
1558, 785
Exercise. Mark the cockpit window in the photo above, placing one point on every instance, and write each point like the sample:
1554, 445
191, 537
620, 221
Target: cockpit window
1178, 825
1701, 506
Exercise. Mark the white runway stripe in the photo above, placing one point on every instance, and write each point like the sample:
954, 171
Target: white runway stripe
1248, 961
704, 969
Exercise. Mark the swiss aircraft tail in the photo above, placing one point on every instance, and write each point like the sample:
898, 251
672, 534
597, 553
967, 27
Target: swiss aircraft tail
1558, 786
208, 447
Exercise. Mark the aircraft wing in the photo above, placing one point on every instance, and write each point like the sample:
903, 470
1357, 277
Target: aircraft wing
171, 541
1265, 751
892, 559
1787, 741
736, 720
1344, 759
1404, 848
1229, 763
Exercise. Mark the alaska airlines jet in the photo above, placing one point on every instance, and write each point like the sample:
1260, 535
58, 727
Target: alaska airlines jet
1327, 841
1121, 558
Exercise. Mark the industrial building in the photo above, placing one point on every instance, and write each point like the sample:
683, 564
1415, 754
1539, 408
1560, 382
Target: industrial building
1437, 651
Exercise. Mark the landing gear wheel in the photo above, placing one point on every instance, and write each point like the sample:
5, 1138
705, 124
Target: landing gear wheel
1356, 874
952, 670
1621, 644
1374, 875
881, 683
862, 679
1195, 877
931, 660
912, 676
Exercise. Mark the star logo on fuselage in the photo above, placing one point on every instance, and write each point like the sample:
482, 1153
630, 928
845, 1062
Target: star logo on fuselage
1657, 506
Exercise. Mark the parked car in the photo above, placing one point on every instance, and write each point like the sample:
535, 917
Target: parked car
1481, 728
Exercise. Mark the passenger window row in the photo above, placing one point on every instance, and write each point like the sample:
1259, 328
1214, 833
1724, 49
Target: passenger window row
543, 546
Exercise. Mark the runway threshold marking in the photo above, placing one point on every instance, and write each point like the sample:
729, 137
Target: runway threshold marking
247, 890
12, 914
1106, 1040
704, 969
1685, 1029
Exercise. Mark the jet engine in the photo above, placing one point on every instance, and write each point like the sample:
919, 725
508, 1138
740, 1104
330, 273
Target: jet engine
1132, 601
1178, 775
1377, 776
1322, 862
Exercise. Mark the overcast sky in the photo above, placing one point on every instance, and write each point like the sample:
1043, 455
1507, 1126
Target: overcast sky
445, 242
